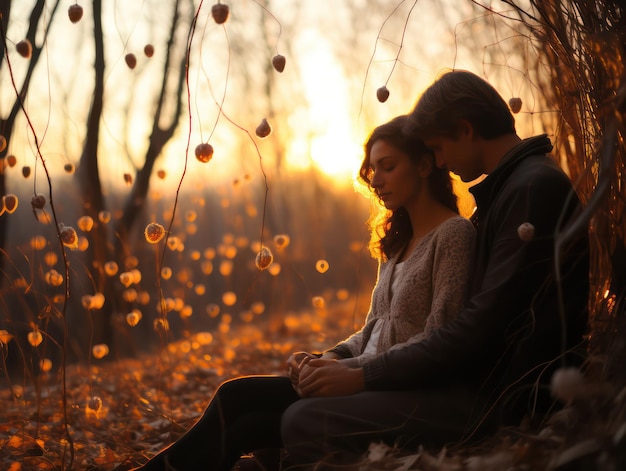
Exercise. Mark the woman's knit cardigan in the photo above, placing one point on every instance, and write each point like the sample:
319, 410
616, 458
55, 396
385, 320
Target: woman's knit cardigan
431, 291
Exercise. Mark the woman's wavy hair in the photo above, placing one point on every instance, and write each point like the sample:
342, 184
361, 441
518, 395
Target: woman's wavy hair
391, 230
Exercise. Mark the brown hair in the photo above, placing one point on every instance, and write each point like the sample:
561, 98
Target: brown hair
391, 230
458, 95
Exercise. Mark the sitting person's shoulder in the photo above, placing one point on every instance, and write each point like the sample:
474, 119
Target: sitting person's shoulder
455, 224
540, 169
457, 229
544, 185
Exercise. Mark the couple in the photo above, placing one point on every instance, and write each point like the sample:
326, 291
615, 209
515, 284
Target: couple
467, 321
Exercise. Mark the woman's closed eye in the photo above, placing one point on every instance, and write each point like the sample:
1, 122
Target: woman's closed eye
386, 168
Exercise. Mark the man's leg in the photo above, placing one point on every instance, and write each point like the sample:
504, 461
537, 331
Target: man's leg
243, 415
338, 430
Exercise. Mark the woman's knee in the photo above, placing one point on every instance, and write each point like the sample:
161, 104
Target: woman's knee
254, 393
242, 388
231, 386
229, 396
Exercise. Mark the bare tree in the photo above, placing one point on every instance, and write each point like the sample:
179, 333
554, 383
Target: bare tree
38, 22
105, 244
113, 245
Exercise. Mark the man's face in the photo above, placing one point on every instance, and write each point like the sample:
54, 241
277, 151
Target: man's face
459, 154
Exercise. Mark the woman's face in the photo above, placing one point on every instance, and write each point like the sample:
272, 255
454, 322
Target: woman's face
396, 179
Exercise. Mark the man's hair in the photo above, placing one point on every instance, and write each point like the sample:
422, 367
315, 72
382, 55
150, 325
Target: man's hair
461, 95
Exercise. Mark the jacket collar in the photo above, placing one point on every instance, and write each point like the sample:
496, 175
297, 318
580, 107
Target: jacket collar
485, 191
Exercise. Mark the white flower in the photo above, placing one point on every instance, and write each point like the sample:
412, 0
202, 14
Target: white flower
377, 451
567, 384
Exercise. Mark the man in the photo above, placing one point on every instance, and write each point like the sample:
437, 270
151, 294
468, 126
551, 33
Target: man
526, 315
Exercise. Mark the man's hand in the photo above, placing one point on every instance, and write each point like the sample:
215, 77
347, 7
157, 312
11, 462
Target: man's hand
325, 378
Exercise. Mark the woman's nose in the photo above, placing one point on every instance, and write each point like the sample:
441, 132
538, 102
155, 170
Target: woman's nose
376, 180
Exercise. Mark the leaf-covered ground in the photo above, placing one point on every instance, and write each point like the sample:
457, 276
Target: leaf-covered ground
121, 412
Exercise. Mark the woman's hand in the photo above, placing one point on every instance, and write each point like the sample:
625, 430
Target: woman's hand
295, 362
321, 377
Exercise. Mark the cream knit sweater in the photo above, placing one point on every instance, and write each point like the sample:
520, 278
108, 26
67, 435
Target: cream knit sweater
430, 292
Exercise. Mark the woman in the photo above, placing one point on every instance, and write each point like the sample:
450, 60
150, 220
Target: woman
424, 248
423, 245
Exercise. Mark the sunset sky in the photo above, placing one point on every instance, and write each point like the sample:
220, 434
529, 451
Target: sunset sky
324, 101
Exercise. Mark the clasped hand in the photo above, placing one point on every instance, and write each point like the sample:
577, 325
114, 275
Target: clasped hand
323, 377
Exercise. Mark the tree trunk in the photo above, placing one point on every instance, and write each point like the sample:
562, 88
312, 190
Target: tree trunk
7, 124
88, 179
158, 139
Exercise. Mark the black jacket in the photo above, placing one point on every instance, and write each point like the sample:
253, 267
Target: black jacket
518, 320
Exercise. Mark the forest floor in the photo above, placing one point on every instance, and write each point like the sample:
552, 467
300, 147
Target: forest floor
120, 412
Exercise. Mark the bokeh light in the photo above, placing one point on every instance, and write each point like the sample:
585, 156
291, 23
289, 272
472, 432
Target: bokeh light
213, 310
35, 338
133, 317
100, 350
321, 266
85, 223
229, 298
281, 241
154, 232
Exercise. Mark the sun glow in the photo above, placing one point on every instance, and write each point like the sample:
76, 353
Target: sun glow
334, 154
330, 144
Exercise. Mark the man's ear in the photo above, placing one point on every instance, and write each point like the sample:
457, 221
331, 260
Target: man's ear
464, 129
425, 166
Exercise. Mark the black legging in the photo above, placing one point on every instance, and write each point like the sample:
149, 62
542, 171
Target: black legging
244, 415
257, 412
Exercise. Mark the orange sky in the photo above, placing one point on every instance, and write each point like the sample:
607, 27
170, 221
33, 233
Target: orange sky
337, 83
